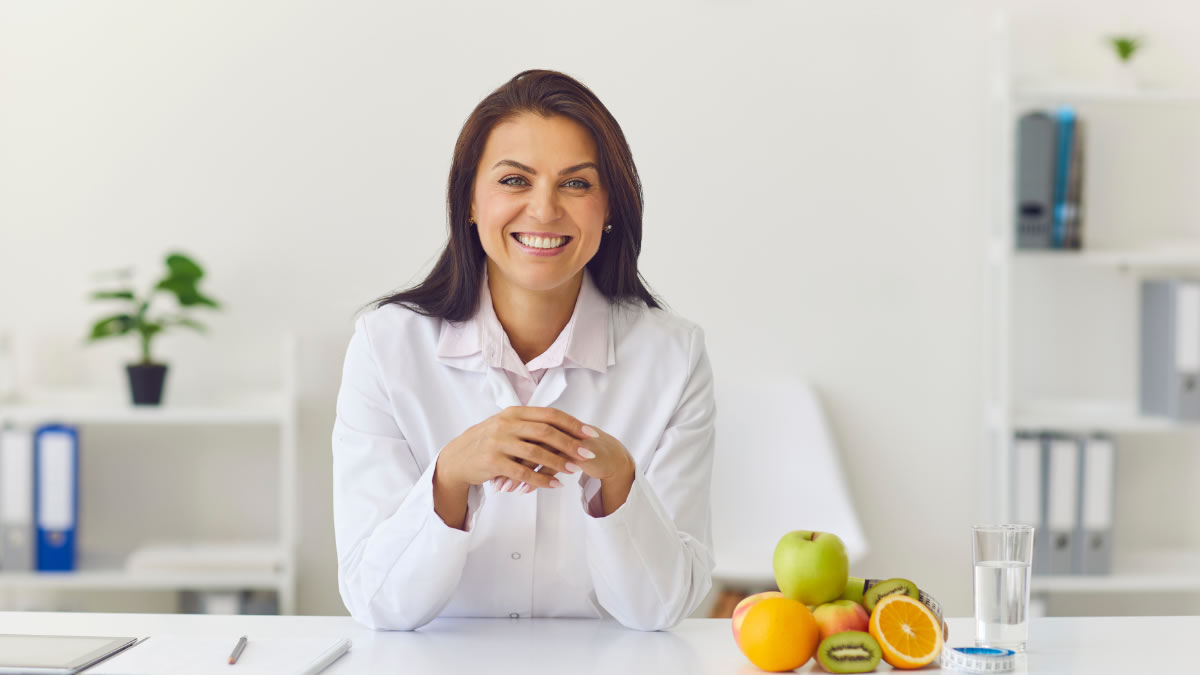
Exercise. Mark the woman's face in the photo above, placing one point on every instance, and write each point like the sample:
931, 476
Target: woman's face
538, 202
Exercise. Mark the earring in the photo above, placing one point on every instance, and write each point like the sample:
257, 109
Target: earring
608, 228
471, 221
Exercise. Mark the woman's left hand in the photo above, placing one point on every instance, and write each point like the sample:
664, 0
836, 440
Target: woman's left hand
608, 457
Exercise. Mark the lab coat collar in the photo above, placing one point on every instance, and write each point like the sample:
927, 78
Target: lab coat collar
590, 341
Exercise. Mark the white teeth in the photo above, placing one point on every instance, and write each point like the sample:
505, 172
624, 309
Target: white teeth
540, 242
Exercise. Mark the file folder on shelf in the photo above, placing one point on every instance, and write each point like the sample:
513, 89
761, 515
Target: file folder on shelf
1170, 349
56, 492
1062, 502
16, 500
1037, 142
1094, 539
1027, 490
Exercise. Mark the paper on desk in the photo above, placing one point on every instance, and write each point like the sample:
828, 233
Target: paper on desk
191, 655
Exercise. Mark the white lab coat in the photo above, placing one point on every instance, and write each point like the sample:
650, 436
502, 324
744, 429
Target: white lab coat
648, 564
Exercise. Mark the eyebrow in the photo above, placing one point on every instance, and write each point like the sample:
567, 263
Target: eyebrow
569, 169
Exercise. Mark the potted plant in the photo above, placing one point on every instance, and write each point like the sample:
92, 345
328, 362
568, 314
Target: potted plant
1125, 46
146, 377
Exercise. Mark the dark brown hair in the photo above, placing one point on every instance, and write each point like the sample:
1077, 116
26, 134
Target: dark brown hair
451, 291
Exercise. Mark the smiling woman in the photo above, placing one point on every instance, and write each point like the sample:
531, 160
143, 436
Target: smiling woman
527, 432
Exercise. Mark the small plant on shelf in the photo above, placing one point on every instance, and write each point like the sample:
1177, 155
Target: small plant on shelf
183, 275
1125, 46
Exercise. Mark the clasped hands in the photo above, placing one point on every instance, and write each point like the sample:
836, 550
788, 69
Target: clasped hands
507, 447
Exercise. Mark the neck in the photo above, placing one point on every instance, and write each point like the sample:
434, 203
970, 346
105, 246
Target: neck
532, 319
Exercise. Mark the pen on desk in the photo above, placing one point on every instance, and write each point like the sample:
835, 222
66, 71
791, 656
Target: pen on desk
237, 650
332, 654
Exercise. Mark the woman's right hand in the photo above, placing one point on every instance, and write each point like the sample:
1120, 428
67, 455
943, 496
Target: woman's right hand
508, 445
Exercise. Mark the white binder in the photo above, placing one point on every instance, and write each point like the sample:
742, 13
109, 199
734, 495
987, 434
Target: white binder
1062, 503
1094, 539
1028, 488
16, 500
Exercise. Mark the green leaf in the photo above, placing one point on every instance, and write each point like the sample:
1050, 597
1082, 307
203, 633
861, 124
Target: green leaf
1125, 46
113, 295
112, 326
149, 329
183, 267
185, 290
190, 323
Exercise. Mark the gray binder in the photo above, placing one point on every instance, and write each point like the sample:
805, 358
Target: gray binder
1037, 136
1096, 506
1029, 494
16, 500
1169, 382
1062, 502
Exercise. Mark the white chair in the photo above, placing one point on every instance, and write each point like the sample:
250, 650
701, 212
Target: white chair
775, 470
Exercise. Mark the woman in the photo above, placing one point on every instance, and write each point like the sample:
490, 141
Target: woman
526, 432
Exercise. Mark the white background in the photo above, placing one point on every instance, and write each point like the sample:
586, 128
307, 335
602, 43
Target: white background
814, 176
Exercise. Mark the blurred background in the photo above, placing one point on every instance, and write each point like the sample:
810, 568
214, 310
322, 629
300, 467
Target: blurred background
830, 193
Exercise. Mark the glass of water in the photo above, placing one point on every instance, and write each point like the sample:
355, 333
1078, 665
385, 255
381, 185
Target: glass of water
1003, 559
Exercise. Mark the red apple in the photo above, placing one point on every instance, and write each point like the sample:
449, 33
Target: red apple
841, 615
739, 612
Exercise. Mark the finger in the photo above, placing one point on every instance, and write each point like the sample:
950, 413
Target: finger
552, 438
520, 473
526, 488
555, 417
536, 455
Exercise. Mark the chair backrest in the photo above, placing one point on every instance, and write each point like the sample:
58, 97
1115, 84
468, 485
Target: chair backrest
775, 470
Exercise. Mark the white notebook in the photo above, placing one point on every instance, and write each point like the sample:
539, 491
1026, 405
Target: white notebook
190, 655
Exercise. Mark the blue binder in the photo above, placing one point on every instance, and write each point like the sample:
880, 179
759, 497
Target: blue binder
1066, 134
56, 496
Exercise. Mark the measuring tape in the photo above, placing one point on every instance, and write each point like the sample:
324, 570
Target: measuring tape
978, 659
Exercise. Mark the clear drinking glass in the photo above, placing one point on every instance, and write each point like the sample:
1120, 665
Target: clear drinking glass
1003, 557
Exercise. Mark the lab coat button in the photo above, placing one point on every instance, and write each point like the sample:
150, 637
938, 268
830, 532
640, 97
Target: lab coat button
516, 556
514, 615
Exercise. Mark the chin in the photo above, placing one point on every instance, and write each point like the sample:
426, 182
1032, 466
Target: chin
542, 279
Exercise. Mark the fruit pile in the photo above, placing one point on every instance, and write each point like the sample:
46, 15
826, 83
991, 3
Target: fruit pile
847, 623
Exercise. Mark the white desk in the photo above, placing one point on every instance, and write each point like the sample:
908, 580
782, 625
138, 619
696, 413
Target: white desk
1091, 646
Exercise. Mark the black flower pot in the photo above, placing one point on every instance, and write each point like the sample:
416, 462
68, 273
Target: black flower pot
146, 382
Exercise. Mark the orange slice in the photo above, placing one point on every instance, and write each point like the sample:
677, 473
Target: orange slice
907, 631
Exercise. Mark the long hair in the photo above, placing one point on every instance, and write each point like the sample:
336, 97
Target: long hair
451, 291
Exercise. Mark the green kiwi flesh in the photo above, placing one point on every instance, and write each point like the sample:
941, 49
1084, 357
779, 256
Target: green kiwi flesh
890, 587
850, 651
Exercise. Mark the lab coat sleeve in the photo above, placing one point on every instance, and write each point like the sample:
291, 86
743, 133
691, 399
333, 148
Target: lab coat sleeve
398, 561
651, 560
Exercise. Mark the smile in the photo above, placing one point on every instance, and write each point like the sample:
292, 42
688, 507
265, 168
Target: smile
540, 242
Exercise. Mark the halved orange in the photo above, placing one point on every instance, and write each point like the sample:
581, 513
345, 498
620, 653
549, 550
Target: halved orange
908, 632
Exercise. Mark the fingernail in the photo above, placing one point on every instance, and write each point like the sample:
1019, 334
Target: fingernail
508, 484
554, 483
571, 468
591, 432
586, 454
527, 489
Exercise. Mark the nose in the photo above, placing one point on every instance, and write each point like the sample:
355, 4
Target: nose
543, 204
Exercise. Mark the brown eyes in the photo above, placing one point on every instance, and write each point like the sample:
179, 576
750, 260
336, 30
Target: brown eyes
579, 183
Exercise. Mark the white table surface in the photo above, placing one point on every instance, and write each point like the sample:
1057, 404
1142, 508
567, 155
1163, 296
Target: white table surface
1091, 646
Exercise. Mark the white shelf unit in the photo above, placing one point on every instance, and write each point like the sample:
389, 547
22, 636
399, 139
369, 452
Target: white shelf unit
275, 408
1006, 410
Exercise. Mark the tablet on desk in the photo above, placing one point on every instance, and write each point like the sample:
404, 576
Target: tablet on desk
55, 654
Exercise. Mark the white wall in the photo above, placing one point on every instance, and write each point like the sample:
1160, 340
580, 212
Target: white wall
813, 176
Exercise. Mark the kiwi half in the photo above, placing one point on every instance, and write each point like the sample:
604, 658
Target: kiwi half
850, 651
890, 587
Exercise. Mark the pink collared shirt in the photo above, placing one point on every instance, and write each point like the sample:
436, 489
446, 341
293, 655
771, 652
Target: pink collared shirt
583, 343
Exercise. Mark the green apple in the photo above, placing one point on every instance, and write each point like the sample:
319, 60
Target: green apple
811, 567
854, 590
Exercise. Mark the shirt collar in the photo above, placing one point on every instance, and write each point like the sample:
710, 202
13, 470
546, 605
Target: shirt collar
584, 342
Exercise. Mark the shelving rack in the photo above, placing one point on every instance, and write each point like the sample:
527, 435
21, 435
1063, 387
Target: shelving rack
237, 409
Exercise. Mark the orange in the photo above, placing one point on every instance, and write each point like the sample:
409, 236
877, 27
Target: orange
779, 634
908, 632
